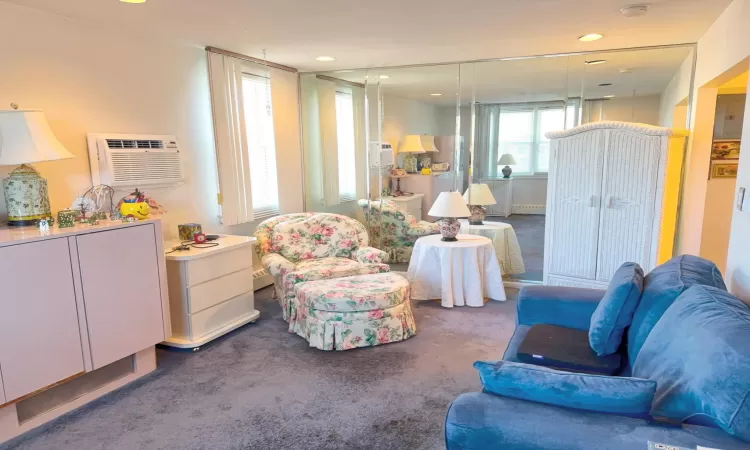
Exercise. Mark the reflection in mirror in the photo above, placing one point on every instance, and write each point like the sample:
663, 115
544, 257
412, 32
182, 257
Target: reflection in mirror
479, 128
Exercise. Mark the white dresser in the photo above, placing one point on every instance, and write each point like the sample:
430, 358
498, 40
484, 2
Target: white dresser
409, 204
210, 290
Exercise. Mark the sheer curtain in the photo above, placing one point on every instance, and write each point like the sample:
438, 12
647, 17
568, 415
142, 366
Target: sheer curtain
485, 141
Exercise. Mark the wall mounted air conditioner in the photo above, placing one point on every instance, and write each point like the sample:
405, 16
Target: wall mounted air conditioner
134, 160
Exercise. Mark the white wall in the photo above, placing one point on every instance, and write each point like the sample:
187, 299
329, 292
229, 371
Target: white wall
723, 54
729, 117
676, 93
94, 80
643, 109
402, 116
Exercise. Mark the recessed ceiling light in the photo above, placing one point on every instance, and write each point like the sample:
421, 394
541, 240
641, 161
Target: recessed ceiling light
436, 94
325, 58
595, 62
344, 71
384, 77
590, 37
605, 84
133, 1
626, 70
608, 96
634, 10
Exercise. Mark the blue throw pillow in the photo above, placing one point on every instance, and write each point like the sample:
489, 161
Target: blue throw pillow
616, 395
699, 355
615, 310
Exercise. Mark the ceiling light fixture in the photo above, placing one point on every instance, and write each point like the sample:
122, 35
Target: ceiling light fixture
605, 84
384, 77
608, 96
634, 10
436, 94
591, 37
133, 1
626, 70
325, 58
595, 62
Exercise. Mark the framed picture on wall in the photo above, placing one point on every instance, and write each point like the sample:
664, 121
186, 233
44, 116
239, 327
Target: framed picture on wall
725, 149
722, 169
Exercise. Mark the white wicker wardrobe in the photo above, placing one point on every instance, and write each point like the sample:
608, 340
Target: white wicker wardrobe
611, 198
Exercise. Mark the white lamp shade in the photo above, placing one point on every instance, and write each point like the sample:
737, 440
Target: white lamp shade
428, 144
508, 160
25, 138
479, 194
411, 143
449, 204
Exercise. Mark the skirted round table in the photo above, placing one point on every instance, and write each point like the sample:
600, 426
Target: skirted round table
459, 273
504, 240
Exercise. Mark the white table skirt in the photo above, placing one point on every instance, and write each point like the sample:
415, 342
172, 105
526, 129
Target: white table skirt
504, 240
459, 273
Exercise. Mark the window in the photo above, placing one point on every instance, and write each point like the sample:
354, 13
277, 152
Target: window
261, 145
521, 133
345, 143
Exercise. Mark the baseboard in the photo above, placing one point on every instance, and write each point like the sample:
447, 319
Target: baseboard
528, 209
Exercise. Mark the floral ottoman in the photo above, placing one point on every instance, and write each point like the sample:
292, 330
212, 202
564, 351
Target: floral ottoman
351, 312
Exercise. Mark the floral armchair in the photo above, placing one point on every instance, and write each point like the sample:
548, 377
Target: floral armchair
314, 246
397, 232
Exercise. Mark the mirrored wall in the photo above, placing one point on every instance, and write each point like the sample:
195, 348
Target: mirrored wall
382, 144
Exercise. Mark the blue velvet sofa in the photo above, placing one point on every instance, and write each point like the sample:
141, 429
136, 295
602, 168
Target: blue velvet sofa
687, 334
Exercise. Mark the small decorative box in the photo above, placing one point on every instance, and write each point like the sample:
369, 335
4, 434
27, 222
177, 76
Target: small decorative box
188, 230
66, 218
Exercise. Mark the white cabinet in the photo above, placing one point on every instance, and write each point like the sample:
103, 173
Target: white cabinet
605, 201
73, 301
502, 190
210, 290
40, 342
430, 187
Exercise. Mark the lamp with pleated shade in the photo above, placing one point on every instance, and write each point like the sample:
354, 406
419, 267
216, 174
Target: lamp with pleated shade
449, 205
25, 138
477, 196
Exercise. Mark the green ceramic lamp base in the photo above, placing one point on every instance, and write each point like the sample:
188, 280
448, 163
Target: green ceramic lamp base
26, 196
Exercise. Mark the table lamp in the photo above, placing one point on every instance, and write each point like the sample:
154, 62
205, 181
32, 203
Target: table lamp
25, 137
449, 206
508, 160
477, 196
411, 144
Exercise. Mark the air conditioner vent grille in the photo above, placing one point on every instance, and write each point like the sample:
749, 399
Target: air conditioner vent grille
134, 143
145, 167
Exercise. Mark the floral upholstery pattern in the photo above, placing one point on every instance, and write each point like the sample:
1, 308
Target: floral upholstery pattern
314, 246
359, 311
358, 293
393, 231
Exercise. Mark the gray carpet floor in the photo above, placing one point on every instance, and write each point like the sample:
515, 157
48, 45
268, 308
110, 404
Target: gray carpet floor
530, 232
264, 388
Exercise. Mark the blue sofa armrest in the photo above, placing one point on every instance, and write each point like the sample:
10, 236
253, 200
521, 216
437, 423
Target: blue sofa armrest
479, 421
556, 305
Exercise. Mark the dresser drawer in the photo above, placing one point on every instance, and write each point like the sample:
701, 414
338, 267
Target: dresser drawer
218, 290
222, 315
215, 266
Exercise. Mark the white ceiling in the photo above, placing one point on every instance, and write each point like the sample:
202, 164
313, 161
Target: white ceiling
395, 32
525, 80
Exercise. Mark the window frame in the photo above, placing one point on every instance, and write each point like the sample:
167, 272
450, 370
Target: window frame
346, 196
263, 212
535, 108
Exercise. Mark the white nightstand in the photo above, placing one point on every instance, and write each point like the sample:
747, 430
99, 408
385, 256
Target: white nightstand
409, 204
210, 290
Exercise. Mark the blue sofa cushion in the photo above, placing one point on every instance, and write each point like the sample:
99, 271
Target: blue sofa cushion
699, 355
626, 396
615, 311
661, 287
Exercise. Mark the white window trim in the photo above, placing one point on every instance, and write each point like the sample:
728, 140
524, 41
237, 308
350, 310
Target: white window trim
343, 198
